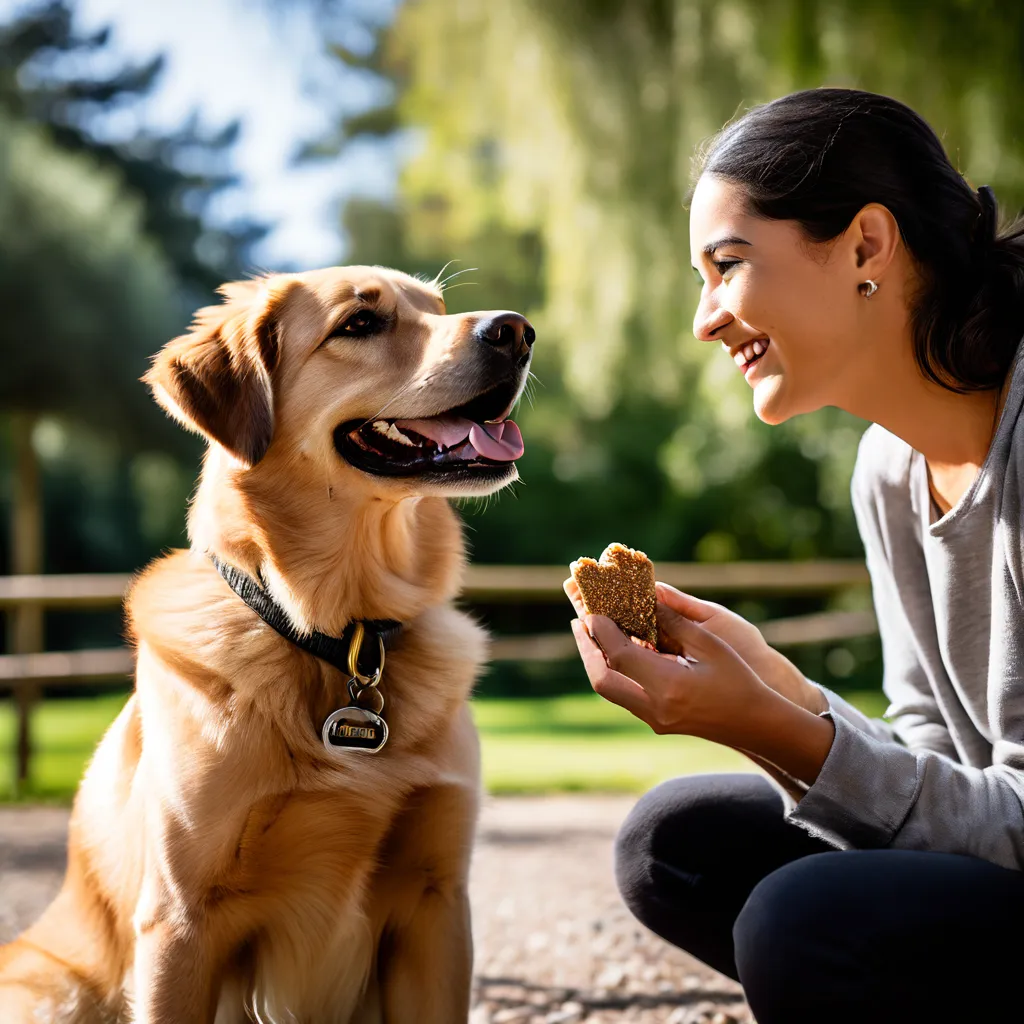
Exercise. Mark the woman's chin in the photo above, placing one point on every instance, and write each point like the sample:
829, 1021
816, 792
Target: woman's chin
770, 404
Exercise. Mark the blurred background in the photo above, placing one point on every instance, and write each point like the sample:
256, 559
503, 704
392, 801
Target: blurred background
150, 151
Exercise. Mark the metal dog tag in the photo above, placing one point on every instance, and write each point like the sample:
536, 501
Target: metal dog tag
354, 728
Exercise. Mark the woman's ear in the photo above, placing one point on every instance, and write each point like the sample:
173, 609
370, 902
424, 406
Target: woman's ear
876, 236
218, 378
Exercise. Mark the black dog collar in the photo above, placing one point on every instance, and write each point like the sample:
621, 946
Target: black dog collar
332, 649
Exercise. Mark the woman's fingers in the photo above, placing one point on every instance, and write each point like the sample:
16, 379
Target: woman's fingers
572, 591
676, 611
679, 632
685, 604
610, 684
690, 637
674, 607
669, 629
653, 670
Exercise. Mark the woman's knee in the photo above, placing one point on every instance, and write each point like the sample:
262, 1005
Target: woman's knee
635, 845
671, 827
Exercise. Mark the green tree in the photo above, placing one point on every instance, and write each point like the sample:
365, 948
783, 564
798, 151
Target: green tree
552, 146
87, 294
567, 132
60, 80
106, 246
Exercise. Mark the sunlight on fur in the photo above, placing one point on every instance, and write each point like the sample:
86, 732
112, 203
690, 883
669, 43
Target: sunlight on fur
224, 865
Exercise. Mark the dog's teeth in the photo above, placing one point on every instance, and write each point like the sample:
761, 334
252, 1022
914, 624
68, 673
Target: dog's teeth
396, 435
389, 430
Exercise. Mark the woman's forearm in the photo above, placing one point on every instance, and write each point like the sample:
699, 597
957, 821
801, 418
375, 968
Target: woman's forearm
782, 733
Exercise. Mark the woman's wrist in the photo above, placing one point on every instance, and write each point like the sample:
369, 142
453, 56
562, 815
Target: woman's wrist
786, 679
778, 730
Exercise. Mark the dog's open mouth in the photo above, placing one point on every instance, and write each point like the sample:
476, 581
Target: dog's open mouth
474, 439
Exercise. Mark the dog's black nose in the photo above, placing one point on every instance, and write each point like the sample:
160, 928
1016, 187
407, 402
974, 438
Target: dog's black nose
506, 330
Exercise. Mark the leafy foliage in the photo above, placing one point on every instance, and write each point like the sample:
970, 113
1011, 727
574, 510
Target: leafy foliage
106, 246
60, 80
87, 296
554, 151
553, 147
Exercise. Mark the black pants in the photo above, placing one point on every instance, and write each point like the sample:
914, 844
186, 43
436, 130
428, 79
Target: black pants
816, 934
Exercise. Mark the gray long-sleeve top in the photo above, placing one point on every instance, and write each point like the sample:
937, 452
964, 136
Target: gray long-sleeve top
946, 772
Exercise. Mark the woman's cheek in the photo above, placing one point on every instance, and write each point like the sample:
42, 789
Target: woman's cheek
758, 294
749, 306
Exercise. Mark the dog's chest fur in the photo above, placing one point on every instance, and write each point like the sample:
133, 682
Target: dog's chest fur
281, 833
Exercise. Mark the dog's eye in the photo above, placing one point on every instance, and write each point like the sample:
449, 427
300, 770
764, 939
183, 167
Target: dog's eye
360, 324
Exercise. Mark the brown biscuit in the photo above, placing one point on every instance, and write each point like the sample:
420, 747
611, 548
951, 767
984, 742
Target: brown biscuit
620, 586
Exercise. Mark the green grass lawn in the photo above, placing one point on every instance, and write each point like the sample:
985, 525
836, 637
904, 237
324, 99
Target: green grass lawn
530, 745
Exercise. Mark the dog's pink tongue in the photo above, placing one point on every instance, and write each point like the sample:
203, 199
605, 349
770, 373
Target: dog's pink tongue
499, 441
447, 431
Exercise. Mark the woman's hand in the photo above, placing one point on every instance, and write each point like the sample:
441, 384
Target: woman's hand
773, 668
707, 693
710, 692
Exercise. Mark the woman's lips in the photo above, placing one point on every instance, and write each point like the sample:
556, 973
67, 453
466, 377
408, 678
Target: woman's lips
750, 354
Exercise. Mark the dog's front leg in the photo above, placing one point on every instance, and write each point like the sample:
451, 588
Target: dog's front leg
426, 961
180, 949
174, 977
429, 967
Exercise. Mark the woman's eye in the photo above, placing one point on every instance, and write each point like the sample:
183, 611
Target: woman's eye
722, 266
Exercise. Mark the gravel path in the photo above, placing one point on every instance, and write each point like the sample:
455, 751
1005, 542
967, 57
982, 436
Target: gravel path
554, 945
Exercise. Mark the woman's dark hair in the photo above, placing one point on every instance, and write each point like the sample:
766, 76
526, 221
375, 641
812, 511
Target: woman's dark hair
819, 156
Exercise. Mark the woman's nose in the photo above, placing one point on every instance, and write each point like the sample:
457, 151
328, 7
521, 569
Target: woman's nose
709, 320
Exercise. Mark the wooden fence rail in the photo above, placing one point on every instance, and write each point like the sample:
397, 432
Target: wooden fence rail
26, 674
491, 583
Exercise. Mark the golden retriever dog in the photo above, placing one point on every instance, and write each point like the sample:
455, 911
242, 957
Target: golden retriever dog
226, 861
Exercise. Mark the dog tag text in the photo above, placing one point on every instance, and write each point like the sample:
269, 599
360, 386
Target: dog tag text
354, 728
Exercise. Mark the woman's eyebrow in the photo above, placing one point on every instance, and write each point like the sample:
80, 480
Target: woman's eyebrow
731, 240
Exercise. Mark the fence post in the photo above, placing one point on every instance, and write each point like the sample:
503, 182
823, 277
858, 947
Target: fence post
25, 623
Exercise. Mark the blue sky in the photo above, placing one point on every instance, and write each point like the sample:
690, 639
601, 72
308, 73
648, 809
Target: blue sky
262, 61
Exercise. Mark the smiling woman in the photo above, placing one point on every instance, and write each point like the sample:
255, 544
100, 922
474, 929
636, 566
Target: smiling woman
845, 262
791, 232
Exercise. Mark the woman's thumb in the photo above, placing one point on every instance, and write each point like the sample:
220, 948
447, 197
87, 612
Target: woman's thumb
691, 607
679, 635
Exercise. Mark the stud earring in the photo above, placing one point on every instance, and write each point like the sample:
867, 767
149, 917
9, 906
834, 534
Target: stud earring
868, 288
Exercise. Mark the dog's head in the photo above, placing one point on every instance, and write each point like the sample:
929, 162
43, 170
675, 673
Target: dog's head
360, 368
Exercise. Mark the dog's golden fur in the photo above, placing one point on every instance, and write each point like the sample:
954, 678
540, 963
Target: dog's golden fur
222, 865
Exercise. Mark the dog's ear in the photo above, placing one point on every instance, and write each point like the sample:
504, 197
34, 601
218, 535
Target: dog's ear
218, 378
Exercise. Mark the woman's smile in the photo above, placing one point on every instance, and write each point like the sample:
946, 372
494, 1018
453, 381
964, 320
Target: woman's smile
765, 280
748, 355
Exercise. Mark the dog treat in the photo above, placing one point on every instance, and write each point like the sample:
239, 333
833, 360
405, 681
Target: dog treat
620, 586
